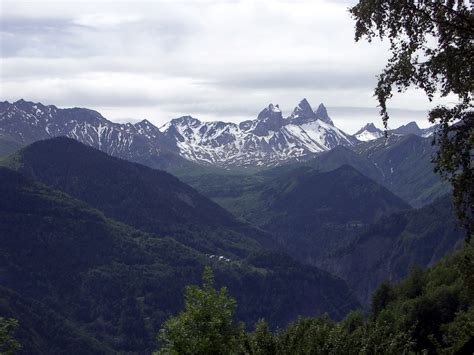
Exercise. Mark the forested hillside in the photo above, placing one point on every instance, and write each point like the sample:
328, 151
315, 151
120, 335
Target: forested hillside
431, 312
99, 284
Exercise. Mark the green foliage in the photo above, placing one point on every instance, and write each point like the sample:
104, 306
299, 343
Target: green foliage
454, 158
404, 165
261, 341
310, 213
430, 312
306, 336
432, 47
144, 198
432, 309
325, 217
388, 249
206, 324
8, 344
383, 337
116, 284
8, 145
409, 156
459, 331
381, 298
351, 336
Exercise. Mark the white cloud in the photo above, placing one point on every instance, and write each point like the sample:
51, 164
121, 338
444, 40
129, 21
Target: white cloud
103, 21
212, 59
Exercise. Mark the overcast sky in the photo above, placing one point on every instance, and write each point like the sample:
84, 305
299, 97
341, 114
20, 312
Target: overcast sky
214, 60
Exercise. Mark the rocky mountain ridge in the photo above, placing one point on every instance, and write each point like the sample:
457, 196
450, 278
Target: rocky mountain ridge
268, 140
369, 132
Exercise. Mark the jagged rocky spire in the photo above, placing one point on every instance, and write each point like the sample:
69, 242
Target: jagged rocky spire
322, 114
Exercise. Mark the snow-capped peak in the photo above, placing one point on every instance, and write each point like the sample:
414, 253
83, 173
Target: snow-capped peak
144, 124
272, 111
27, 122
302, 113
265, 141
274, 108
413, 128
304, 105
368, 132
370, 127
428, 132
186, 120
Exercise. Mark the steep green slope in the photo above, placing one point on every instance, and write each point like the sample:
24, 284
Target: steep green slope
388, 249
327, 161
310, 213
402, 164
8, 145
42, 330
340, 196
62, 253
430, 312
406, 168
225, 187
434, 307
340, 156
151, 200
319, 218
87, 276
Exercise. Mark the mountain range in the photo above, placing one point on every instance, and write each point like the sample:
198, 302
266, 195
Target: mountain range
187, 142
265, 141
395, 244
310, 213
369, 132
145, 198
98, 251
296, 217
24, 122
402, 164
326, 213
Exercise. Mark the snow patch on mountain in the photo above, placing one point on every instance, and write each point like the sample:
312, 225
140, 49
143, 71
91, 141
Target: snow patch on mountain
27, 122
368, 132
265, 141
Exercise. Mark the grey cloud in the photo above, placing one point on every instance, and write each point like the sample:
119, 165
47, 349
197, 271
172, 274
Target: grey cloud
353, 118
29, 25
212, 59
40, 37
345, 110
307, 78
345, 2
19, 34
66, 37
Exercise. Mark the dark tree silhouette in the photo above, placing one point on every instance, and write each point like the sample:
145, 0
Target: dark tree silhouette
432, 48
